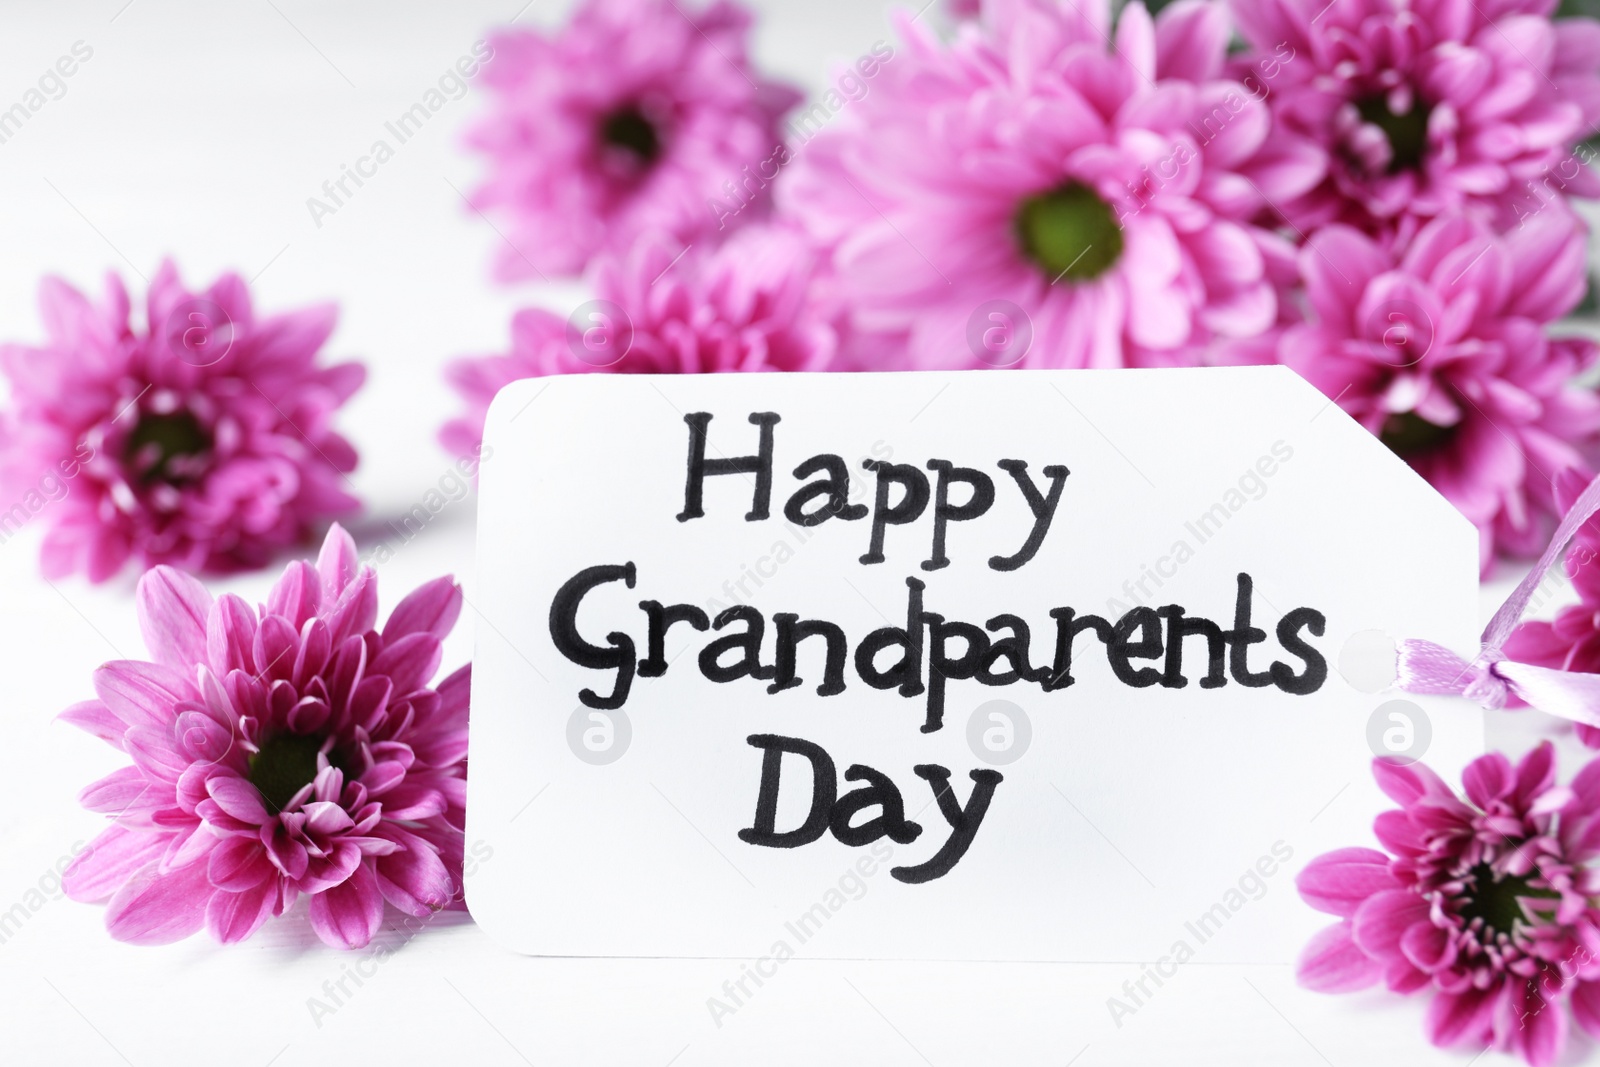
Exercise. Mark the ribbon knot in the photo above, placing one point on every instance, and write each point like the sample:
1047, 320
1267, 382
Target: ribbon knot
1424, 667
1485, 687
1491, 680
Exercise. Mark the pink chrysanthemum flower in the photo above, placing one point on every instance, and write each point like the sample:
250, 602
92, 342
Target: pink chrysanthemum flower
1488, 901
1431, 107
200, 438
745, 306
1438, 345
288, 750
1098, 180
639, 116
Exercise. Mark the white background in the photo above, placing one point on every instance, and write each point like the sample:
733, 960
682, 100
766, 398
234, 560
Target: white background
199, 130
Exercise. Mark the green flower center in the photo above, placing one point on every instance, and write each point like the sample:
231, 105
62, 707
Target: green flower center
627, 128
1409, 434
1407, 133
159, 443
286, 764
1070, 232
1499, 902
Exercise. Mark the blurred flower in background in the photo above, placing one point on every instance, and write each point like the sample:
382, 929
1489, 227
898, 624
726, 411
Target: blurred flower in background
631, 119
1432, 107
1440, 345
1102, 178
743, 306
283, 751
202, 437
1454, 133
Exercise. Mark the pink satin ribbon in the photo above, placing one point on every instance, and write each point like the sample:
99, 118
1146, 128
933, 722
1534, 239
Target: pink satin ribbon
1489, 678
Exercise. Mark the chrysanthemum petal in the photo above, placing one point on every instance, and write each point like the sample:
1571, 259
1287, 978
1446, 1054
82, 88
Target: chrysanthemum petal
172, 608
1540, 1030
110, 860
238, 863
326, 817
114, 793
409, 662
1456, 1017
1585, 999
431, 608
238, 798
413, 878
411, 800
1428, 947
1191, 40
230, 636
234, 916
297, 594
1331, 963
1487, 779
1383, 919
157, 909
1406, 783
94, 717
347, 915
1338, 882
142, 694
338, 563
156, 753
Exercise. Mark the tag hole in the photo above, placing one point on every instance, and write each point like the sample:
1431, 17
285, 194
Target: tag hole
1367, 661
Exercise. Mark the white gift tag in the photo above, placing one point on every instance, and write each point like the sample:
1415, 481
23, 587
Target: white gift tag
1043, 665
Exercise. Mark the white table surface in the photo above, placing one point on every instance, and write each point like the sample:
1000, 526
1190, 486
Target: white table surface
199, 130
